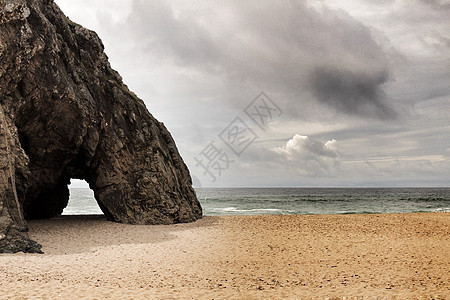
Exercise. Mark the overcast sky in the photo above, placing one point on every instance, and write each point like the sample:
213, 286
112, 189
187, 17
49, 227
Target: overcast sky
356, 93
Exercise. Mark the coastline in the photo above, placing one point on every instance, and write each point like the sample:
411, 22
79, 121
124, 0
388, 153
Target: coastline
252, 257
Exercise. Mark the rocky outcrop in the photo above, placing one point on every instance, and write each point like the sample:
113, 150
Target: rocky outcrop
64, 113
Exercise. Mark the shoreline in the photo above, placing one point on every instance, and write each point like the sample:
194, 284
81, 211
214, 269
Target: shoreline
255, 256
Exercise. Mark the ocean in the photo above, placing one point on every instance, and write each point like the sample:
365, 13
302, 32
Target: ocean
297, 201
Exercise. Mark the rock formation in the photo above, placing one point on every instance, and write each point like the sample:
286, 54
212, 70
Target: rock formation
64, 113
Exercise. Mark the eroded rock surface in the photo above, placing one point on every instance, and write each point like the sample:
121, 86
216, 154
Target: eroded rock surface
64, 113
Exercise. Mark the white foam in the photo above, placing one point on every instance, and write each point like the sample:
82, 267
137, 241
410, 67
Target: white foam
443, 209
234, 209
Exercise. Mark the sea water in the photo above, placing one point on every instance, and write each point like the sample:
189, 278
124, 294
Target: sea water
297, 201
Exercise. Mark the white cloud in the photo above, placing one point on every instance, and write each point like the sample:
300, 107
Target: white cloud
311, 156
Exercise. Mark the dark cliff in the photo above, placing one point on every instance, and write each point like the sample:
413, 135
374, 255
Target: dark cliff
64, 113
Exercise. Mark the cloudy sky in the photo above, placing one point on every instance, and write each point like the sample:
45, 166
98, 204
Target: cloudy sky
355, 93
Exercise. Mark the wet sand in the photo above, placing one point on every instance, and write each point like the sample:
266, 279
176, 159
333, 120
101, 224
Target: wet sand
398, 256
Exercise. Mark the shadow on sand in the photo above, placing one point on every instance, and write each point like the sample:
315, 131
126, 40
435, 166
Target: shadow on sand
85, 233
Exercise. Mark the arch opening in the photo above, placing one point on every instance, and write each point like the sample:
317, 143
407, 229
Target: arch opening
81, 200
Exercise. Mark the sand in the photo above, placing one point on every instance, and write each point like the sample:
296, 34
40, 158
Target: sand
391, 256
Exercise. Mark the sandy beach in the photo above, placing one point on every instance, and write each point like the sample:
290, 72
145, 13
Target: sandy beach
391, 256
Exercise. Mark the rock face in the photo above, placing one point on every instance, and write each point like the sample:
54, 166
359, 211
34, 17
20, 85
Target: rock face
64, 113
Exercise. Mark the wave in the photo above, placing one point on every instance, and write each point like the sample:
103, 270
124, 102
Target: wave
232, 209
442, 209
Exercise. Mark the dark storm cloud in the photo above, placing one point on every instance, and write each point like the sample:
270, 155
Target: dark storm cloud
270, 46
351, 92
